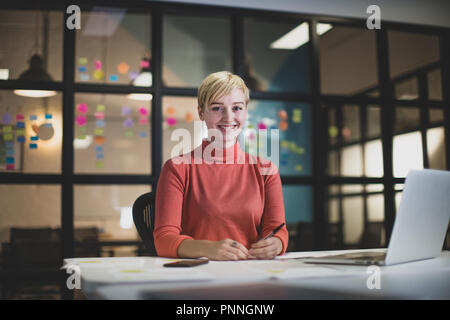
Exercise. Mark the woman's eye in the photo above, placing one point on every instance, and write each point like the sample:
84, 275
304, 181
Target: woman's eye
215, 108
237, 108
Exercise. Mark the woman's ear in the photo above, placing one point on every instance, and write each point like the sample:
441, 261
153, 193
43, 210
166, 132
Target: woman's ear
200, 112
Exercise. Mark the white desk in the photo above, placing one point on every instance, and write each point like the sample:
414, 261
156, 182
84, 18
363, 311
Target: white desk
144, 277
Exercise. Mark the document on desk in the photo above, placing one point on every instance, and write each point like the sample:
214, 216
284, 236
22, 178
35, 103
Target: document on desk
271, 269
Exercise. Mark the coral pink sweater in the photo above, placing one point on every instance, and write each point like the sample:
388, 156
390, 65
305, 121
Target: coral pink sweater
217, 199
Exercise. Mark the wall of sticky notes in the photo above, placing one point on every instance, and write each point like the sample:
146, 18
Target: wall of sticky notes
112, 134
293, 122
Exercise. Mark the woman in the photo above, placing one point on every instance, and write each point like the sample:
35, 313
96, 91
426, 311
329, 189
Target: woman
221, 202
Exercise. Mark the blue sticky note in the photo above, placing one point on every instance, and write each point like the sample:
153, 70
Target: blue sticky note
84, 77
10, 152
48, 116
113, 78
21, 139
9, 144
33, 146
142, 134
20, 124
99, 156
9, 160
33, 117
36, 138
100, 123
99, 149
47, 125
82, 69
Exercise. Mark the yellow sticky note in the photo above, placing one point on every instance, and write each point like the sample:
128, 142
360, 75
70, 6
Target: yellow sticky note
99, 131
99, 164
7, 136
101, 107
99, 74
20, 132
82, 60
7, 129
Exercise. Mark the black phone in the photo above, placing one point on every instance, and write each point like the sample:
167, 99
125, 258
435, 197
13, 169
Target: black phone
185, 263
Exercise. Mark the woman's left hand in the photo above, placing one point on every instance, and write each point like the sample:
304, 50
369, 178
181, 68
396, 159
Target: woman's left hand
265, 249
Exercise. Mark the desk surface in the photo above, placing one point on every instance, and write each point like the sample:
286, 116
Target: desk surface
285, 278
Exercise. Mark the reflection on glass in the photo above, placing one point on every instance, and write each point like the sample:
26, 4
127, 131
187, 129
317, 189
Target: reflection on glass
434, 85
333, 131
286, 46
351, 161
407, 89
194, 47
410, 51
114, 47
31, 33
373, 122
108, 209
348, 63
41, 208
297, 203
353, 215
373, 159
292, 120
333, 163
111, 134
375, 207
407, 153
351, 127
436, 148
406, 119
436, 115
181, 113
30, 133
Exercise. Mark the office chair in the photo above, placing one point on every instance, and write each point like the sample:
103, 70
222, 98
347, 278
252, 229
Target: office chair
144, 219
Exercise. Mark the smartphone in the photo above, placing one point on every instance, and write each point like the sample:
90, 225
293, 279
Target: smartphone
185, 263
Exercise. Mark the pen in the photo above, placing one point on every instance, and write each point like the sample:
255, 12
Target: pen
270, 235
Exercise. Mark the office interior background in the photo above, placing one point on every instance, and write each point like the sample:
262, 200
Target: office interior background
87, 117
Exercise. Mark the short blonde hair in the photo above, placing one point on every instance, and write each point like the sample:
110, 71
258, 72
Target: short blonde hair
219, 84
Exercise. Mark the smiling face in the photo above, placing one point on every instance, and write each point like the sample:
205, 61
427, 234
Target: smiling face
226, 114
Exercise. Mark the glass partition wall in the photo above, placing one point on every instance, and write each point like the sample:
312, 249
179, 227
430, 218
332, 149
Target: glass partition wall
88, 115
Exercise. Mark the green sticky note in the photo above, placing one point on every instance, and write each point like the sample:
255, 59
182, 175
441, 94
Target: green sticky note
20, 132
129, 134
82, 60
7, 129
99, 164
101, 107
99, 131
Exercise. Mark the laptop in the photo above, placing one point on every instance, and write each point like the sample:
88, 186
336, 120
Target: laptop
419, 228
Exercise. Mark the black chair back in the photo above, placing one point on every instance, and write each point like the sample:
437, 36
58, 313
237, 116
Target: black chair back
144, 220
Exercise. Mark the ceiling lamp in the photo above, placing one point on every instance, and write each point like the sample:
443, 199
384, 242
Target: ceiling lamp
35, 72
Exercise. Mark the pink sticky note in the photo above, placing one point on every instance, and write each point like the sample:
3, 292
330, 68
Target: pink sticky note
82, 107
99, 115
98, 65
10, 167
262, 126
20, 117
81, 120
171, 121
145, 64
143, 111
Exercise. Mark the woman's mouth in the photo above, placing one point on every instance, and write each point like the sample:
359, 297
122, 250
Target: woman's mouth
226, 127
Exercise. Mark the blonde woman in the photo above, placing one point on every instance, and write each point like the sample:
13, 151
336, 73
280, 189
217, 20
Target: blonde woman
220, 204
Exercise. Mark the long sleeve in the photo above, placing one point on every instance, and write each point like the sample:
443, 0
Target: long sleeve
168, 207
274, 214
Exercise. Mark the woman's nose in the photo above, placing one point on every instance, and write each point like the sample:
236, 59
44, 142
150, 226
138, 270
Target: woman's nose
227, 114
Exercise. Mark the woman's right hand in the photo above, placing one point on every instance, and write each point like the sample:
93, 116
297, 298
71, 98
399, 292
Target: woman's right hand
215, 250
227, 250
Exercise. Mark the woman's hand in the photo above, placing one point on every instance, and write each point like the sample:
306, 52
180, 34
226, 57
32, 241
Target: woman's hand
265, 249
227, 250
215, 250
